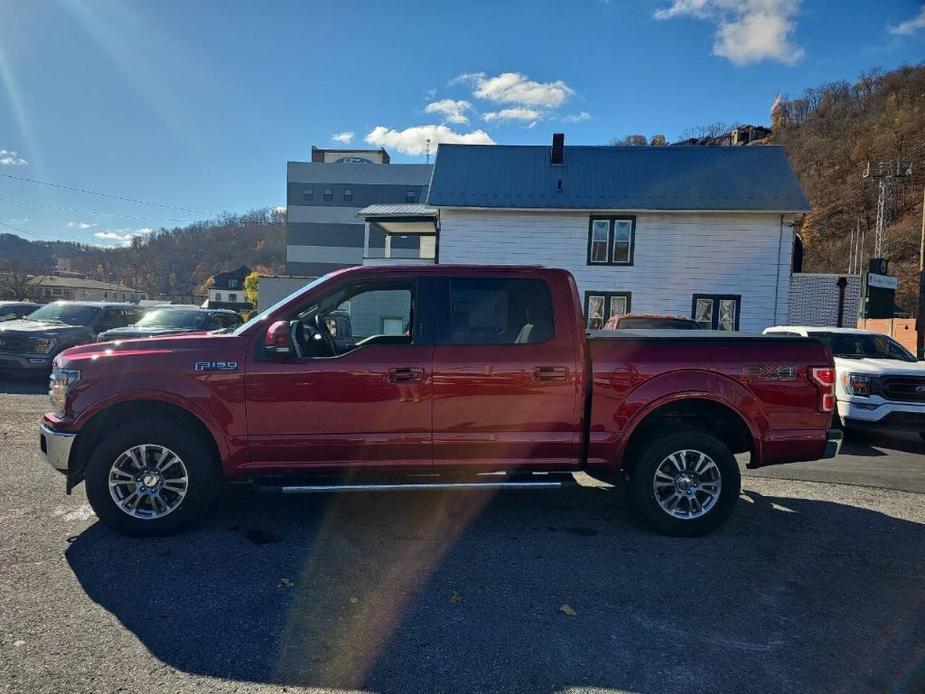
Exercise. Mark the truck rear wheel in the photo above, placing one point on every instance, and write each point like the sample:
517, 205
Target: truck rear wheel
150, 478
685, 483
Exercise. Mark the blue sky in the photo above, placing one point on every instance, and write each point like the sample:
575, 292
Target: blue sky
198, 104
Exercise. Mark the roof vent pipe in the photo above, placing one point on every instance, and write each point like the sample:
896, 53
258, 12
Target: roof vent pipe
557, 152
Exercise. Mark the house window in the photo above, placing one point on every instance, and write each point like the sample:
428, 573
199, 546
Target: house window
56, 291
411, 196
308, 194
602, 306
348, 194
233, 298
218, 296
717, 311
328, 194
610, 240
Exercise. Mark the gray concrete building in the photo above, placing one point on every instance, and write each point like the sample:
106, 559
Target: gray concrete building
323, 196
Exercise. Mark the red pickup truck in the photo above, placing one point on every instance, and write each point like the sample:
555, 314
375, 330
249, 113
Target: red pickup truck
433, 377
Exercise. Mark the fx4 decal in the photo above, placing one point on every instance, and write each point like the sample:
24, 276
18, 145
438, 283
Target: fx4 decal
769, 372
216, 366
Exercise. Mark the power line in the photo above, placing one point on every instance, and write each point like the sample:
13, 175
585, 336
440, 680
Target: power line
17, 229
95, 212
104, 195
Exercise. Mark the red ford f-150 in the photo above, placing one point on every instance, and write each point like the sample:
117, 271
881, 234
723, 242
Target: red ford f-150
433, 377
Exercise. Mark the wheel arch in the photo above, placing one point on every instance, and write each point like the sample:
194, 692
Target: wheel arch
116, 414
700, 411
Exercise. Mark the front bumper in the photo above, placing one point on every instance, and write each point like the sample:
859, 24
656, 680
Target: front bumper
885, 413
833, 441
33, 362
56, 447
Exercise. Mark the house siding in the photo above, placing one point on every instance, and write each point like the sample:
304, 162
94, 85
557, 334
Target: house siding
676, 255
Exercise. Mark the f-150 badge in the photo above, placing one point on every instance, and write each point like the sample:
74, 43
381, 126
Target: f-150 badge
216, 366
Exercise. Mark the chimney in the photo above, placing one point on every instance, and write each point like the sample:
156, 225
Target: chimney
557, 152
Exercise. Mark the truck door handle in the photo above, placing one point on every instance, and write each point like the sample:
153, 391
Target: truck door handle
548, 374
406, 375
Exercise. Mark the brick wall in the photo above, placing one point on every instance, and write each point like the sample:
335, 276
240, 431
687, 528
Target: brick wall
814, 299
900, 329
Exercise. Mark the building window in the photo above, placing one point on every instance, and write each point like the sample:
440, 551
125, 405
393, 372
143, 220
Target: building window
328, 194
232, 298
411, 196
218, 296
308, 194
348, 194
611, 240
602, 306
717, 311
56, 291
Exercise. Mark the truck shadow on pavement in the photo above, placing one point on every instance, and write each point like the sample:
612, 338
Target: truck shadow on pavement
521, 591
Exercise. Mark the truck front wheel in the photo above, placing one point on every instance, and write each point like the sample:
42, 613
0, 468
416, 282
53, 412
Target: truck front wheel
685, 483
150, 478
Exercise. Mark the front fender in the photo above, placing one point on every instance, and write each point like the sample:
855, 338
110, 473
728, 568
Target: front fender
617, 413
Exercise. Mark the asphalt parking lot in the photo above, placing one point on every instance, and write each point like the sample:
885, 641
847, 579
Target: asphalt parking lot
816, 583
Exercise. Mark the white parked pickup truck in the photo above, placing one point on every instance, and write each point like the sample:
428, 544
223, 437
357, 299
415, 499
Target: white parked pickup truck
878, 381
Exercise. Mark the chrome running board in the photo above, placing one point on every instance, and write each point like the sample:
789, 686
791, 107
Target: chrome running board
404, 486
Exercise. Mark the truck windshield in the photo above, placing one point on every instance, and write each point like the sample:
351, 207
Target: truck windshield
70, 314
262, 316
864, 346
172, 318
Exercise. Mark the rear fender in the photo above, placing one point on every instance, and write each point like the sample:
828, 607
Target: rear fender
615, 420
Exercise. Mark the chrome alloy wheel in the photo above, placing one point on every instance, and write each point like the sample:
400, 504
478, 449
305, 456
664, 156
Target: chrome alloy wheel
148, 481
687, 484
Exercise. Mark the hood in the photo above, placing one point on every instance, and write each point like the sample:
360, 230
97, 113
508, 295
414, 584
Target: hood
21, 326
881, 367
132, 332
168, 344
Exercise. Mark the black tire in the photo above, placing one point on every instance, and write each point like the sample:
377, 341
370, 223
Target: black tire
653, 452
202, 475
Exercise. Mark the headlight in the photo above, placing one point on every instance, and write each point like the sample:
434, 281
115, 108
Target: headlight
43, 345
61, 382
857, 384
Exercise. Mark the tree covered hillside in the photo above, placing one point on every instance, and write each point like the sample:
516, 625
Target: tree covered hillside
830, 133
169, 261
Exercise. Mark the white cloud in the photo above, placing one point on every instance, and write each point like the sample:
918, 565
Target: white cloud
18, 220
413, 140
452, 110
516, 88
910, 26
8, 158
123, 236
526, 115
579, 117
80, 225
345, 137
747, 31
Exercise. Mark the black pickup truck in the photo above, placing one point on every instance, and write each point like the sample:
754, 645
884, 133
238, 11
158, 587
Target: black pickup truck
30, 344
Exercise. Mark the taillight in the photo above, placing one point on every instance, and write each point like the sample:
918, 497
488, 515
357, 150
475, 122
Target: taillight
824, 380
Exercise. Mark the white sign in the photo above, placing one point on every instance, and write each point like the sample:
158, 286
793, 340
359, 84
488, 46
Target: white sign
882, 281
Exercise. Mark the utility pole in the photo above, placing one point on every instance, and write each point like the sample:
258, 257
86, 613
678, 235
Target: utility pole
884, 174
920, 313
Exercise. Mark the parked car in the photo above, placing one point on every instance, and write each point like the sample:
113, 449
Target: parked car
171, 321
648, 321
11, 310
31, 343
453, 371
879, 382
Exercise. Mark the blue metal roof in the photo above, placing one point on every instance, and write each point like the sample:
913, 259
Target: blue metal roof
616, 178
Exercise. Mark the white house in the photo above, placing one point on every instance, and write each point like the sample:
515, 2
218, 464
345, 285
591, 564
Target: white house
696, 231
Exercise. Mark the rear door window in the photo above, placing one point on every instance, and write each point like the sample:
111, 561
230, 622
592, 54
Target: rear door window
496, 311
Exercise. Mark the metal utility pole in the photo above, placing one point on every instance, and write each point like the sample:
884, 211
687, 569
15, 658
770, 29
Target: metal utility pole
884, 174
920, 313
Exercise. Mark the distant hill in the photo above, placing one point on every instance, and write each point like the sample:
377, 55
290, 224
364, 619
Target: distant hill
830, 133
168, 261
